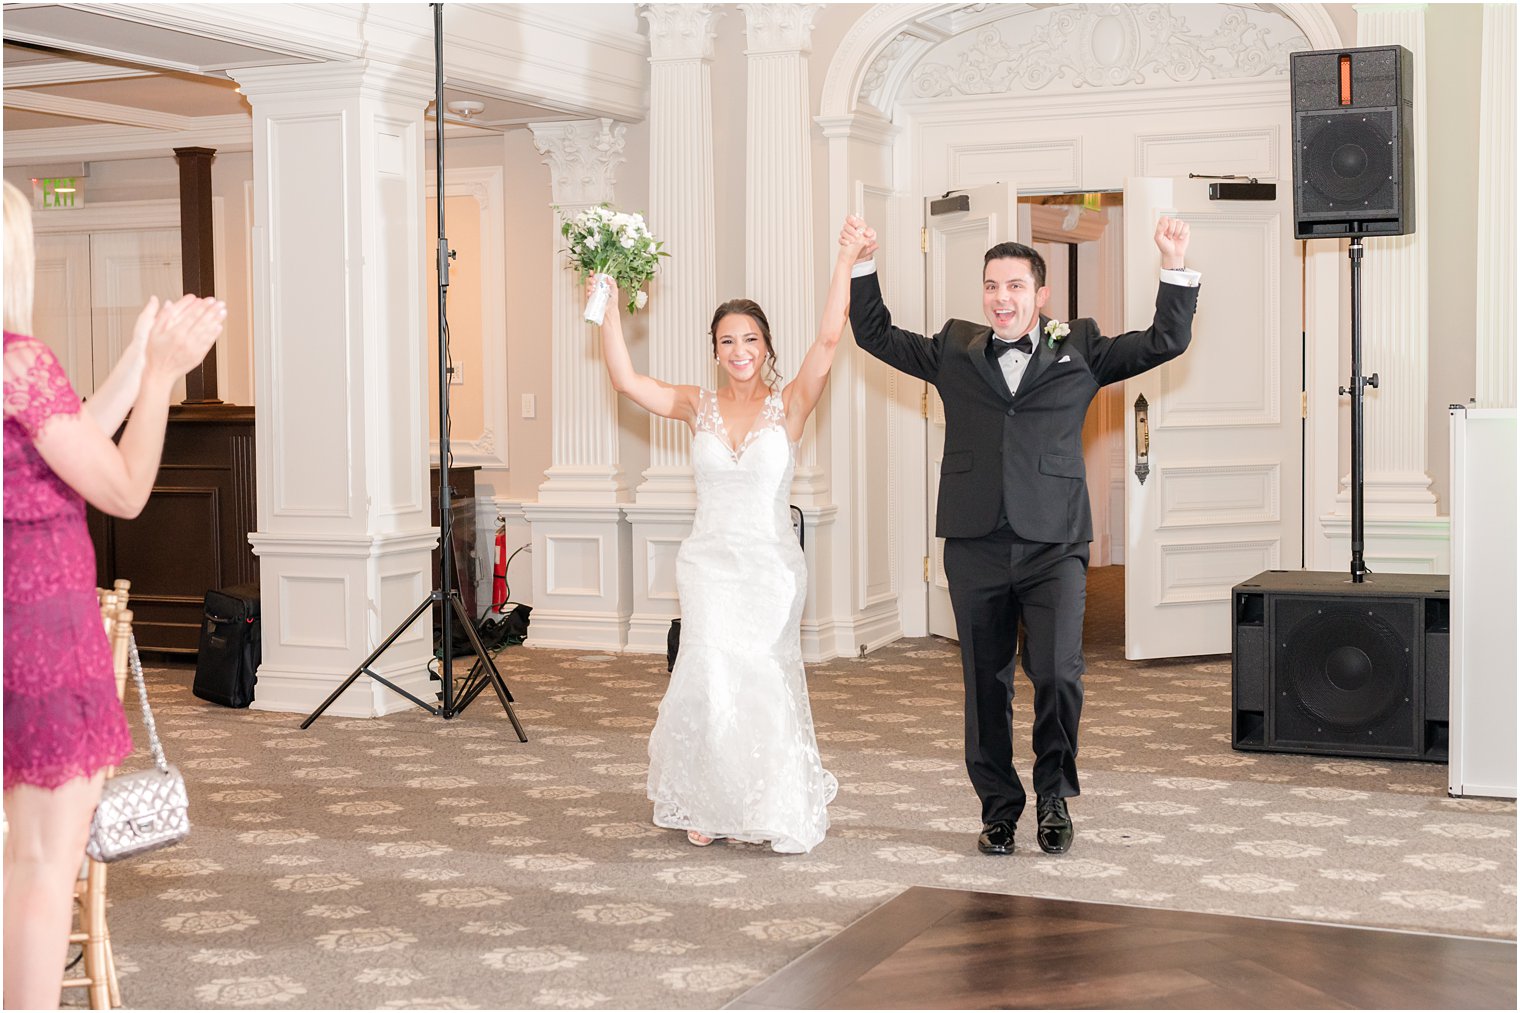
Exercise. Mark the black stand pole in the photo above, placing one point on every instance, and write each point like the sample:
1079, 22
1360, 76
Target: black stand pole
484, 671
1358, 383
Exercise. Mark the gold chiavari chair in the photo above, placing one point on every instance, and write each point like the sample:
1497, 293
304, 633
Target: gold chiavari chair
99, 966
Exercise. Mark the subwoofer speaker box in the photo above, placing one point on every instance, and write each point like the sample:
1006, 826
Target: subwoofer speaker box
1323, 665
1353, 142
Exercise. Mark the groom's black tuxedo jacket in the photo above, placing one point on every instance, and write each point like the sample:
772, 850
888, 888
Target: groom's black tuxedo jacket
1018, 454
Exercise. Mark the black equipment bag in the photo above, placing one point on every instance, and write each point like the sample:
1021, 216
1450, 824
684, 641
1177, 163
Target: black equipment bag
227, 666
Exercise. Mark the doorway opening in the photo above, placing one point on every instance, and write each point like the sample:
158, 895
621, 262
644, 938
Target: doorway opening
1081, 236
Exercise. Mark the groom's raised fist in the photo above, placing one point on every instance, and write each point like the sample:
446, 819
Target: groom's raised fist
1172, 240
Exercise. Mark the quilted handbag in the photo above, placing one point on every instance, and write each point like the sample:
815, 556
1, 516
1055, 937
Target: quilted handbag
142, 811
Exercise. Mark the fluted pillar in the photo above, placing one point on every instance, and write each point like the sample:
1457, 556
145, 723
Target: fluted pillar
779, 191
1496, 214
582, 156
1396, 309
582, 562
681, 214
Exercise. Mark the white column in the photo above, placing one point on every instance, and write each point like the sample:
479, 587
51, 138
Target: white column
681, 215
339, 261
581, 548
1396, 309
582, 156
779, 226
1496, 211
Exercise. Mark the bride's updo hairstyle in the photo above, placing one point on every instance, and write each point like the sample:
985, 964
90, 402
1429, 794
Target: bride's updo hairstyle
747, 308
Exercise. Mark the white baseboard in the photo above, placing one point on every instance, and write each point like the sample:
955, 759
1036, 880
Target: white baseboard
648, 634
878, 626
301, 692
575, 631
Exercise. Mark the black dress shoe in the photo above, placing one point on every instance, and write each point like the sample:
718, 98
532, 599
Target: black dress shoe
1054, 832
996, 838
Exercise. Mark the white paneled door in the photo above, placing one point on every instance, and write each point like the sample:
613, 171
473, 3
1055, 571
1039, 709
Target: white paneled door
1220, 438
61, 304
954, 244
90, 288
126, 268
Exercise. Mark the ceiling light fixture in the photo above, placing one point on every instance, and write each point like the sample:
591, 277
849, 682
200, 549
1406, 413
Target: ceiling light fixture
465, 108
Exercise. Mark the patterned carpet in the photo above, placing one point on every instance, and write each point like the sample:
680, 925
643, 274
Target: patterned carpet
410, 862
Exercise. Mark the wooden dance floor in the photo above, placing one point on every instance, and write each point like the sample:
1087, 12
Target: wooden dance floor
933, 949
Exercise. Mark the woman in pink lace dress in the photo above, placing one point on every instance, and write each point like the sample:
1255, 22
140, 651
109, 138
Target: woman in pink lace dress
63, 722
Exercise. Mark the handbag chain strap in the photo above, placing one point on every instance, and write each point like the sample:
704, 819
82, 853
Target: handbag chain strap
142, 694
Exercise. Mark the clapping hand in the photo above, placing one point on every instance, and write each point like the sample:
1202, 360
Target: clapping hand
181, 333
1172, 241
857, 238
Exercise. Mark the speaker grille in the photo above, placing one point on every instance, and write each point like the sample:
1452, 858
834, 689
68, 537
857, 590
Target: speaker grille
1345, 674
1348, 161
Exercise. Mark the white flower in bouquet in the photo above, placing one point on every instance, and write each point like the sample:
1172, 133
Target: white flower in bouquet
617, 244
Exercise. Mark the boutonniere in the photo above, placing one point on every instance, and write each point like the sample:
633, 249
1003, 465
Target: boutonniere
1055, 331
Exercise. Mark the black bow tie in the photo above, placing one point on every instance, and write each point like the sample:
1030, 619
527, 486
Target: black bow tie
999, 346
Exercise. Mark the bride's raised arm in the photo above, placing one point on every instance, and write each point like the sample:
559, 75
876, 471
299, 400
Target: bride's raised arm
802, 394
667, 400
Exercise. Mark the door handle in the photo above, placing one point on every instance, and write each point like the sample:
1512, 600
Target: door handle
1142, 438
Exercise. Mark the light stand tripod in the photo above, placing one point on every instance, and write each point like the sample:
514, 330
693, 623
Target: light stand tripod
483, 672
1358, 383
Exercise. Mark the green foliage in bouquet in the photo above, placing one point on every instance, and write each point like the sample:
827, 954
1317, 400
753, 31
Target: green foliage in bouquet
604, 241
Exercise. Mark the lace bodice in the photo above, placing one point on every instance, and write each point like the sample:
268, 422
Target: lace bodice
710, 420
37, 391
746, 485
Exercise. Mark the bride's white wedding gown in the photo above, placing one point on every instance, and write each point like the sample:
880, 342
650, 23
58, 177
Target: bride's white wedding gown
733, 752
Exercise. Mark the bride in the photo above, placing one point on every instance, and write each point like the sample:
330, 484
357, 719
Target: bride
733, 752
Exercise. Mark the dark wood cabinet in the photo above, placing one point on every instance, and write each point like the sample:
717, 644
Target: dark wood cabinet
192, 536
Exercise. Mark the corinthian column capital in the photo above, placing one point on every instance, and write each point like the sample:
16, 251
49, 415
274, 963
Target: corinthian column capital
780, 28
582, 156
681, 31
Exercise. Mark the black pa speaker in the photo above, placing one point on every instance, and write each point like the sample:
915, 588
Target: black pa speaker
1323, 665
1353, 142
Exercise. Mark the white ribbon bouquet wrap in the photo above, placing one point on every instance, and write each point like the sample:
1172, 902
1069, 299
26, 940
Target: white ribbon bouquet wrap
612, 246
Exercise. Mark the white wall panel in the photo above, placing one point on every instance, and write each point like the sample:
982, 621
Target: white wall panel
1214, 494
1190, 573
312, 405
574, 565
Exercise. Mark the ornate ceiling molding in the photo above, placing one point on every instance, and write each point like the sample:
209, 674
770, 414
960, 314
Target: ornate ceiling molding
1109, 46
890, 43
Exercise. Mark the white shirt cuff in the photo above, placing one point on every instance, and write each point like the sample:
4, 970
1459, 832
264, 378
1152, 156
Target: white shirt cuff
1184, 276
863, 268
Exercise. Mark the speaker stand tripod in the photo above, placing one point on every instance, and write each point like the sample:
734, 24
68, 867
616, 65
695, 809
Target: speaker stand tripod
484, 671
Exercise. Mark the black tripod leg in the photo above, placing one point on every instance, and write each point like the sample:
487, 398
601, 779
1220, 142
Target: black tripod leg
364, 667
491, 674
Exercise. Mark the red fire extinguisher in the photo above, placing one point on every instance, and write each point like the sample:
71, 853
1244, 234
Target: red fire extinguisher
499, 571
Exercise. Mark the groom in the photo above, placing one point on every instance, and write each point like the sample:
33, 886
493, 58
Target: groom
1013, 506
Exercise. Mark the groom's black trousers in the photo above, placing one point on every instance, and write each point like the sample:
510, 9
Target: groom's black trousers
994, 581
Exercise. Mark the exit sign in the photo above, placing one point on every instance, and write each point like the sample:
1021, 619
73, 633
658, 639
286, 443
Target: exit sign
57, 192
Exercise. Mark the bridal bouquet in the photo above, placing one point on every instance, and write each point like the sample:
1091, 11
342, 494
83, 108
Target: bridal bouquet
606, 243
